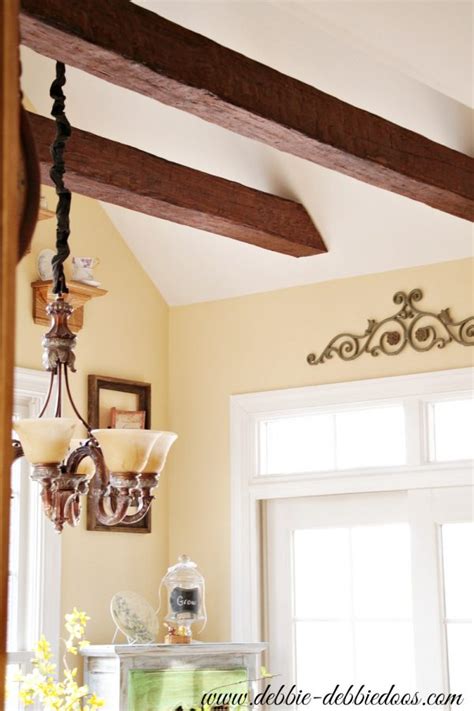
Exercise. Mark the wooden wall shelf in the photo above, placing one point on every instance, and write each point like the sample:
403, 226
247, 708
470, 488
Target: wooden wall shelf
45, 214
79, 295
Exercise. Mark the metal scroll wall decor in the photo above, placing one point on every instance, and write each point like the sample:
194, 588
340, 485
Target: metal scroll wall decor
409, 326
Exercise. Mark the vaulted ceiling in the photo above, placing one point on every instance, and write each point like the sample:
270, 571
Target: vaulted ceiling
408, 62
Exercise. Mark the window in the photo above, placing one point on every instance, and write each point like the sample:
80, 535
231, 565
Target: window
34, 555
458, 557
348, 503
365, 436
348, 601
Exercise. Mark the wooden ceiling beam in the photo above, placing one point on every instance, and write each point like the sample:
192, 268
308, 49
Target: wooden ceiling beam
125, 176
134, 48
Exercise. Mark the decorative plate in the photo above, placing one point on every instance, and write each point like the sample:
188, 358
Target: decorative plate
135, 617
43, 264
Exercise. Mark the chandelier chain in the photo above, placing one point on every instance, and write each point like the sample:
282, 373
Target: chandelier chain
63, 131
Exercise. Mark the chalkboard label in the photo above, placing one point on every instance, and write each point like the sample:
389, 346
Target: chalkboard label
185, 600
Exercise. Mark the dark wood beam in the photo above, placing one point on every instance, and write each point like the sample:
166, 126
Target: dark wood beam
136, 49
10, 210
116, 173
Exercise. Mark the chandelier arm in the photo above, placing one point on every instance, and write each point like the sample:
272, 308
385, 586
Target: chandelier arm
48, 396
73, 405
17, 450
146, 484
72, 509
76, 457
63, 131
59, 393
65, 493
145, 503
47, 498
76, 511
106, 519
62, 508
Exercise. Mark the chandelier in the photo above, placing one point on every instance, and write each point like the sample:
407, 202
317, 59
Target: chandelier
126, 462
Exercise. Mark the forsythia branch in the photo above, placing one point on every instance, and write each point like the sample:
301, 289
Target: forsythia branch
42, 685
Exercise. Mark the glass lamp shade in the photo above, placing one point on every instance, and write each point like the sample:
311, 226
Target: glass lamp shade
159, 452
45, 440
125, 450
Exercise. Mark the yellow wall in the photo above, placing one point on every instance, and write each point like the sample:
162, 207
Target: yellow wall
196, 357
125, 335
260, 342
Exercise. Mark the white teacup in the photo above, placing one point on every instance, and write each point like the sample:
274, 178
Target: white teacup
82, 268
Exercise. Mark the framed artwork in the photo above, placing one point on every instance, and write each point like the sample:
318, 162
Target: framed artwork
127, 419
119, 404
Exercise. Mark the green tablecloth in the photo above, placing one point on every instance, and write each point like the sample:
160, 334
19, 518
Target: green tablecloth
166, 690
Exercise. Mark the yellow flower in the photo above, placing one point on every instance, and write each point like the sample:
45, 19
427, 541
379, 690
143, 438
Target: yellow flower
43, 648
26, 696
76, 617
41, 685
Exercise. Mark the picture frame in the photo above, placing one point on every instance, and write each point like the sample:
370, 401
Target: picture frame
104, 396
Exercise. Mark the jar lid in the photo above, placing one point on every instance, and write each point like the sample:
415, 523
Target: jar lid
184, 561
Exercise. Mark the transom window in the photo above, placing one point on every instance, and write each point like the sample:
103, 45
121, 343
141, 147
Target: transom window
367, 435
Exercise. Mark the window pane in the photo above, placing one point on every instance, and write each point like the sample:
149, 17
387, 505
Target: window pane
458, 560
14, 559
298, 444
385, 654
461, 656
324, 655
452, 427
354, 586
458, 563
12, 700
341, 440
372, 437
322, 573
382, 572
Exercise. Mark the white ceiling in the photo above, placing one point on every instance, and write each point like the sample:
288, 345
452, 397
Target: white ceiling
429, 41
408, 61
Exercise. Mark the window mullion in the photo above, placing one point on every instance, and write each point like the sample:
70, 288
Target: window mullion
414, 432
353, 629
428, 625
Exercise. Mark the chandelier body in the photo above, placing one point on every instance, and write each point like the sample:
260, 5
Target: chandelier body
64, 480
127, 463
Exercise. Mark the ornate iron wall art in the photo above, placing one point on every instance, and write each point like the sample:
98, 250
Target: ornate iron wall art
409, 326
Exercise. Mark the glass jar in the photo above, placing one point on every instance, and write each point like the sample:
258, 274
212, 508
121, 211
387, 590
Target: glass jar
186, 604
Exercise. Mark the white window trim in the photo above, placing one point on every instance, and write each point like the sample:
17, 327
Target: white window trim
249, 489
30, 388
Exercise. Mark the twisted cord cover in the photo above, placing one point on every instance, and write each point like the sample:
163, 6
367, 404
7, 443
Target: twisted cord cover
63, 131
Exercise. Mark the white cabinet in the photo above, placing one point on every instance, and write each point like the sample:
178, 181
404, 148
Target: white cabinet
159, 676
